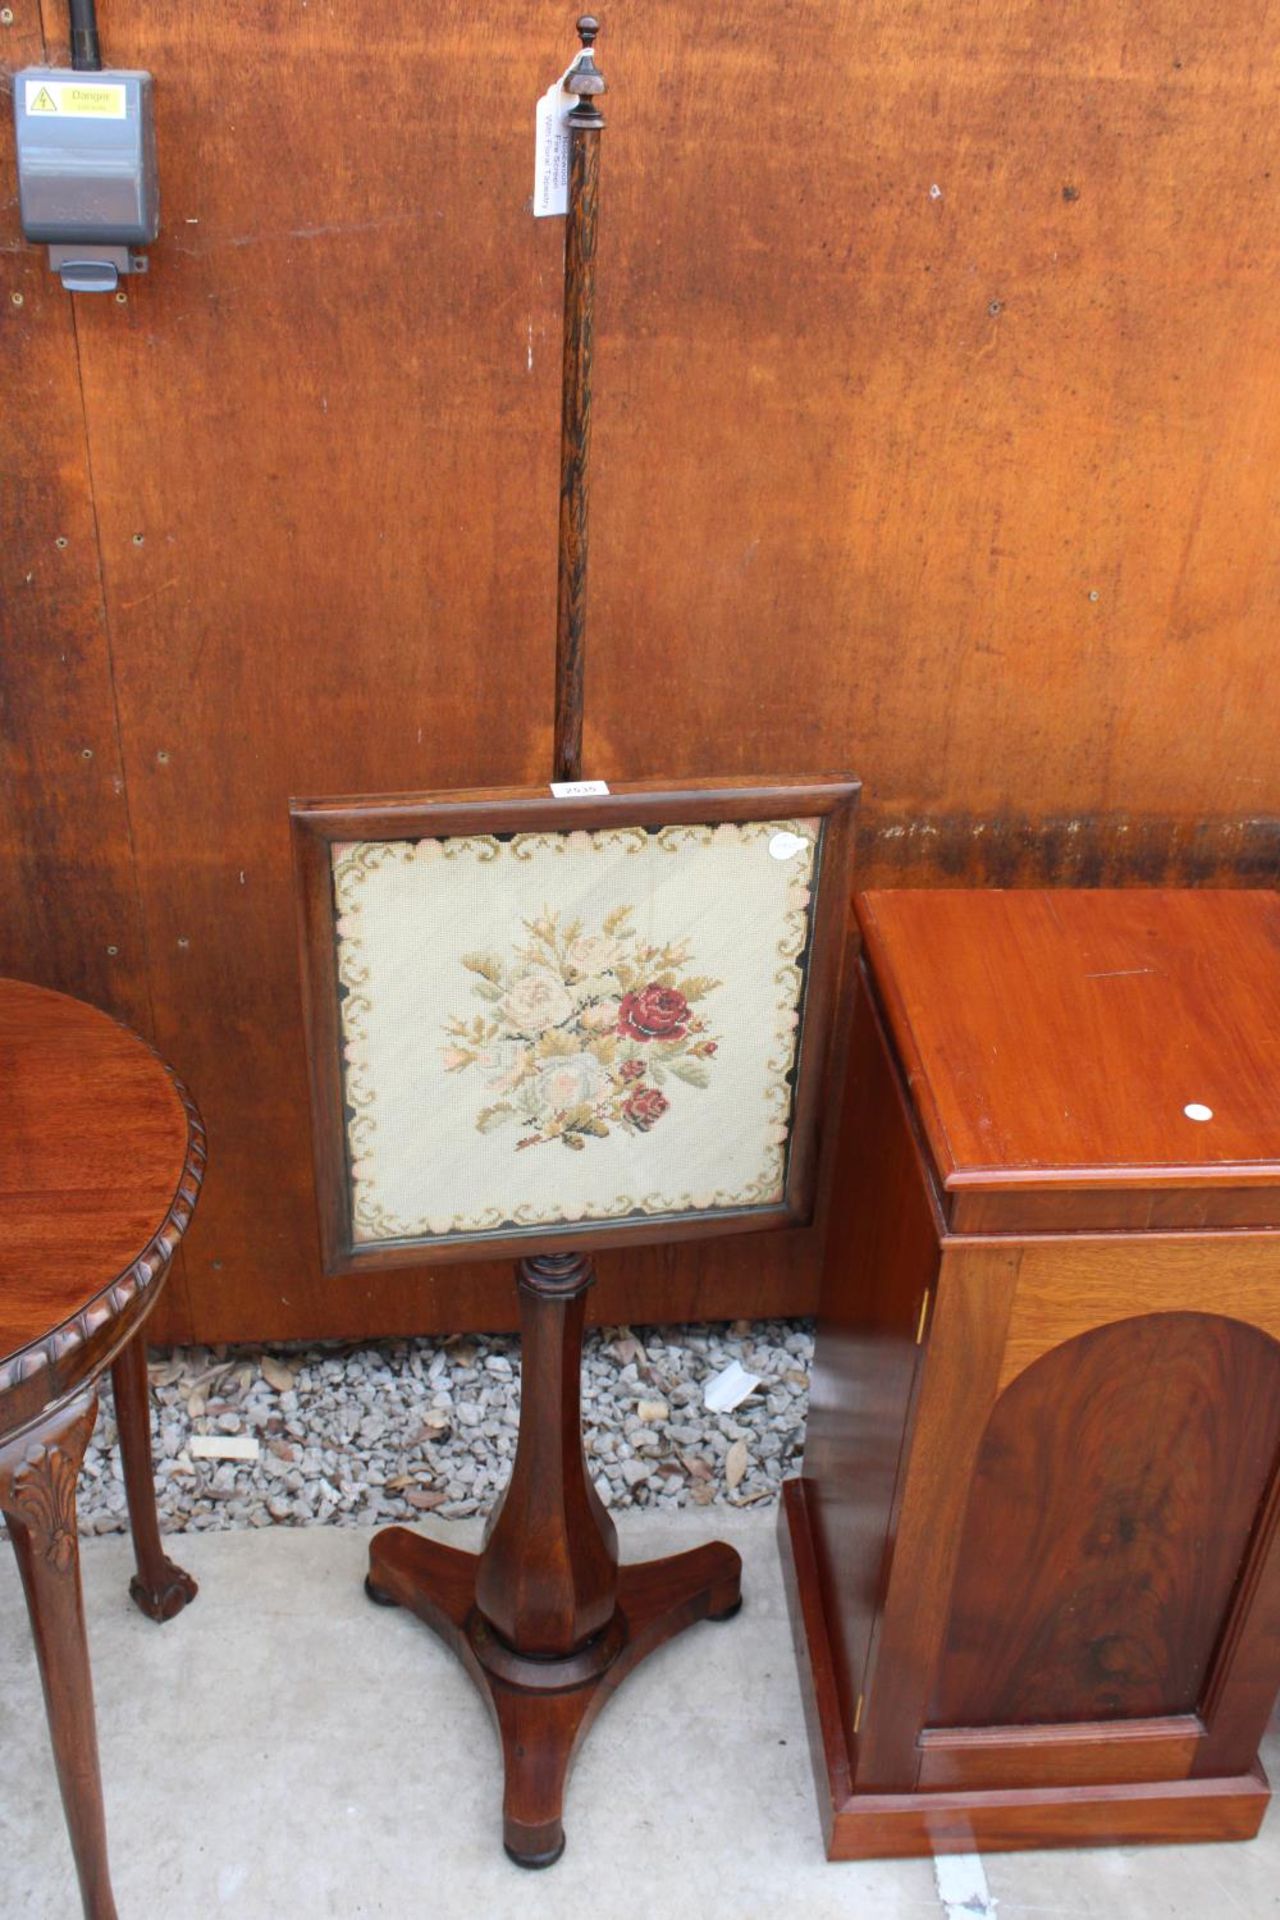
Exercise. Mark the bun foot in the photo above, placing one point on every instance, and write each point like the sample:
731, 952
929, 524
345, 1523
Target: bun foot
170, 1593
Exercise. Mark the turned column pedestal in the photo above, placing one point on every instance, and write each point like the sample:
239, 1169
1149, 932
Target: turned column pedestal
543, 1619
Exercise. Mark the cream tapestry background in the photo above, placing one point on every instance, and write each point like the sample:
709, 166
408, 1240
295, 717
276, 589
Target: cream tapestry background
553, 1028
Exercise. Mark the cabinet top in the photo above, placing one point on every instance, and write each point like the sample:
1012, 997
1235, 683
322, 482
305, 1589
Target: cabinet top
1065, 1047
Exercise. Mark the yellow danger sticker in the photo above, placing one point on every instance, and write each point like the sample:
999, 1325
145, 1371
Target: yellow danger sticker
77, 99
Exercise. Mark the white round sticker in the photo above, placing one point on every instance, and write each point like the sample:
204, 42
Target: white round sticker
1196, 1110
785, 846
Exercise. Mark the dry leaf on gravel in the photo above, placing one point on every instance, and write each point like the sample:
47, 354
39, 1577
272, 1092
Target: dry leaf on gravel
210, 1374
277, 1375
735, 1464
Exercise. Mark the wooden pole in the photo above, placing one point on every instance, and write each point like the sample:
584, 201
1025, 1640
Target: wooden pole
586, 123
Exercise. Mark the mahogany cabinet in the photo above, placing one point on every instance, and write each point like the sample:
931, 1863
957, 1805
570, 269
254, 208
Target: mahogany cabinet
1035, 1554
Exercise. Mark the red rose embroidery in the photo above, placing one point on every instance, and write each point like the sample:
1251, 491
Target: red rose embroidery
655, 1013
645, 1107
546, 1046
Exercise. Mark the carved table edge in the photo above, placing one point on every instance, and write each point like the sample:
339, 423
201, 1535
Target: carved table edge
52, 1349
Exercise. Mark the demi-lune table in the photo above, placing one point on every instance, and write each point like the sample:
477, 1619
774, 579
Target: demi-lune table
101, 1156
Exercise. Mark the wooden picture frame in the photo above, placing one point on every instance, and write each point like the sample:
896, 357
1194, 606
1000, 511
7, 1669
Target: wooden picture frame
383, 880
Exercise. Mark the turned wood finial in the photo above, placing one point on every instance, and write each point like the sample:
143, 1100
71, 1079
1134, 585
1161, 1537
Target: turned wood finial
586, 79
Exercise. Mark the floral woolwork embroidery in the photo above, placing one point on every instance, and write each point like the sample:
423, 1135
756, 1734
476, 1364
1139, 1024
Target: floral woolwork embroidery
583, 1031
633, 994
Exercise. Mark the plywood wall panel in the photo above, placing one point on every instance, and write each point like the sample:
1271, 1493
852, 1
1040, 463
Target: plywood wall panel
956, 388
324, 516
935, 435
69, 910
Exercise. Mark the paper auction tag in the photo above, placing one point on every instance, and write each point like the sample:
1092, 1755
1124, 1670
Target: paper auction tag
551, 155
578, 789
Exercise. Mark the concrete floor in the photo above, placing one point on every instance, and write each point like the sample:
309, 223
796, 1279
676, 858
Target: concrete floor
284, 1751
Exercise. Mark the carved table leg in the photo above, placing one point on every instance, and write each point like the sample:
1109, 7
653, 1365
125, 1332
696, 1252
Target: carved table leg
543, 1620
38, 1474
159, 1588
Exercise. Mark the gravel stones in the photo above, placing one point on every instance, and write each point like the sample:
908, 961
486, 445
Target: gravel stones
359, 1436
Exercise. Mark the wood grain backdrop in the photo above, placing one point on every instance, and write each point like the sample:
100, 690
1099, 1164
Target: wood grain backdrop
936, 438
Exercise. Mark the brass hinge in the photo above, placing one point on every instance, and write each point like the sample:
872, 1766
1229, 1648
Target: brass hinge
922, 1322
857, 1712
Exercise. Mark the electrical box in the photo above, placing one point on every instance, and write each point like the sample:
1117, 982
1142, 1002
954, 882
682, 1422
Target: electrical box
87, 182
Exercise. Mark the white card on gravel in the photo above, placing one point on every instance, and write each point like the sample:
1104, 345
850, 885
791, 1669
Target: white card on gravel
729, 1388
223, 1446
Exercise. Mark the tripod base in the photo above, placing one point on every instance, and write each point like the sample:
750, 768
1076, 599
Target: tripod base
543, 1708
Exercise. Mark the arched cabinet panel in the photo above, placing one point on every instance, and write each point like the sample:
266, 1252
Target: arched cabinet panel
1119, 1482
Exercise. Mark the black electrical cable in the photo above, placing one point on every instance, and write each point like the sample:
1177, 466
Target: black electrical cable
86, 55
